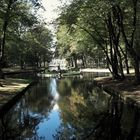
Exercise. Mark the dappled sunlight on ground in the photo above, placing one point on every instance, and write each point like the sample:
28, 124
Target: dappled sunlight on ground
11, 87
126, 88
101, 70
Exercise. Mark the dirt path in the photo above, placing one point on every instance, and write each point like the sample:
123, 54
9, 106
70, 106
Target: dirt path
100, 70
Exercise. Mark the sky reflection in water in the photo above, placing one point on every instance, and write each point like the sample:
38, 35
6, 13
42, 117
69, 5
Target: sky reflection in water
49, 125
69, 109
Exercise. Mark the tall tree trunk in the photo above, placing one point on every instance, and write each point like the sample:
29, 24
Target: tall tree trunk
137, 41
125, 54
116, 39
72, 63
75, 62
21, 64
137, 70
115, 56
126, 62
130, 42
3, 36
83, 61
120, 60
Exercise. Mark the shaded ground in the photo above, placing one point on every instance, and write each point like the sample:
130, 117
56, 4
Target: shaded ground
11, 71
126, 88
11, 87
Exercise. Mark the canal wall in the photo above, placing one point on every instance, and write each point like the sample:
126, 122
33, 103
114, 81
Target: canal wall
10, 101
131, 97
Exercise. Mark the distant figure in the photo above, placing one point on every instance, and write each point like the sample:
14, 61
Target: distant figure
59, 72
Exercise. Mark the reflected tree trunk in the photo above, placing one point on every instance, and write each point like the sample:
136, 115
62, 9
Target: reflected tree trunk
134, 128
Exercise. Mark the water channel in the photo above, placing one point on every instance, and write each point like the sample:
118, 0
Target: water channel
70, 109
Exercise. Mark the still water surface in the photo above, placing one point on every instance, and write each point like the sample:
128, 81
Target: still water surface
69, 109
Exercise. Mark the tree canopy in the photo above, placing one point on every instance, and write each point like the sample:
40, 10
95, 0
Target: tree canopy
23, 33
109, 27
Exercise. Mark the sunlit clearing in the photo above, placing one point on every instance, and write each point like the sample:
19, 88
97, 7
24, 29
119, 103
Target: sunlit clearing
56, 107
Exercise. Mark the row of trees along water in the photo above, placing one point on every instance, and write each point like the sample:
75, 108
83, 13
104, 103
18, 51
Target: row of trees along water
107, 29
24, 39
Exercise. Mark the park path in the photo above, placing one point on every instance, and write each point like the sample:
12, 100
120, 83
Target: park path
100, 70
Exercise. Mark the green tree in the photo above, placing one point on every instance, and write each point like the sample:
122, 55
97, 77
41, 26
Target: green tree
11, 10
110, 24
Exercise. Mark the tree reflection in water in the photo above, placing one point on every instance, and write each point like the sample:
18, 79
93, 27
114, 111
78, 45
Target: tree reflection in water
90, 114
23, 119
21, 124
71, 109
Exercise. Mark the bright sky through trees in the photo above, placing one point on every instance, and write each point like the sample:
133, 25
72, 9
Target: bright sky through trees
51, 11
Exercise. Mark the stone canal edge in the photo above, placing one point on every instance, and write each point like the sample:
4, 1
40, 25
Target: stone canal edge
10, 101
129, 95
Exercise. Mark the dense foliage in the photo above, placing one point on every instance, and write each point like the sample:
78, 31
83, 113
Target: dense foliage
102, 29
24, 39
